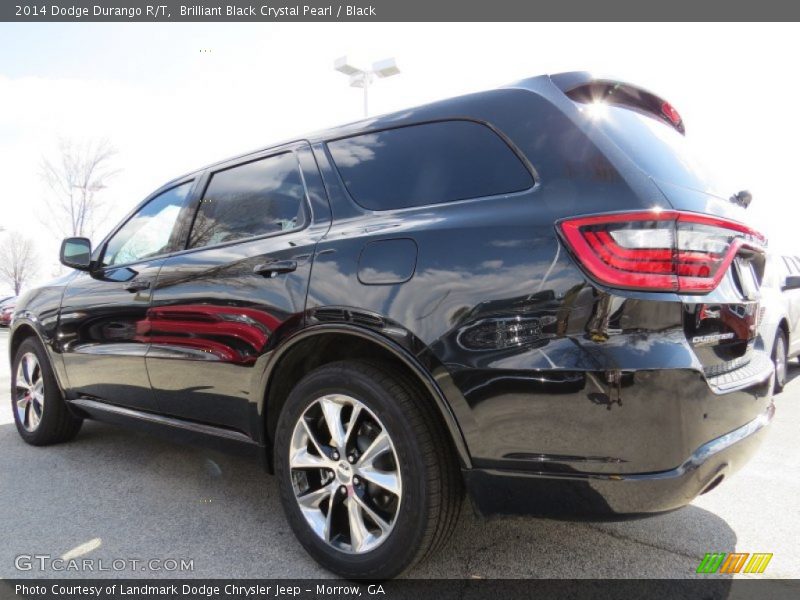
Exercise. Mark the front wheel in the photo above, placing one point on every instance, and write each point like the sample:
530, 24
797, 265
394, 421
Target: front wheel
368, 480
780, 360
40, 413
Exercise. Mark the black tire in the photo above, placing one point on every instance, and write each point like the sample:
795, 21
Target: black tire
780, 360
431, 496
56, 423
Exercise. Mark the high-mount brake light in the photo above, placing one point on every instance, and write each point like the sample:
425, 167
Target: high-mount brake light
670, 112
659, 250
623, 95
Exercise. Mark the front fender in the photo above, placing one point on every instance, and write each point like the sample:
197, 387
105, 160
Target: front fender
25, 325
37, 313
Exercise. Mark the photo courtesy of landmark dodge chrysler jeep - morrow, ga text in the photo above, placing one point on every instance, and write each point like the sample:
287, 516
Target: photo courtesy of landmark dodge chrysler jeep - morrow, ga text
533, 294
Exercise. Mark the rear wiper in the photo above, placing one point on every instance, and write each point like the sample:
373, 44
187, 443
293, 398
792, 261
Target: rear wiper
743, 198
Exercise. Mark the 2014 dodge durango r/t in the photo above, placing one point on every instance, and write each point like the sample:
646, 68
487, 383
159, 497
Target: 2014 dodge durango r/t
532, 293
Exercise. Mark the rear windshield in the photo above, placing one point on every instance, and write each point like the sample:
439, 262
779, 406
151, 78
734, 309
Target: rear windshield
658, 149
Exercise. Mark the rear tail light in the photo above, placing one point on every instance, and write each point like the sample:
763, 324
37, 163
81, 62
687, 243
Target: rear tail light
659, 250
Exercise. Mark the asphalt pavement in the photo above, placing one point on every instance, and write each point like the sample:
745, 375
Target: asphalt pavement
117, 495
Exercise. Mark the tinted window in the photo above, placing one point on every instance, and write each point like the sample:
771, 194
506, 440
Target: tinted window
656, 148
427, 164
257, 198
147, 233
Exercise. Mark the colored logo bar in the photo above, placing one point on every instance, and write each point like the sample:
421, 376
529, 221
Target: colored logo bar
734, 562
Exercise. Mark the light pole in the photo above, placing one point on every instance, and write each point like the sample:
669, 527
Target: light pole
363, 78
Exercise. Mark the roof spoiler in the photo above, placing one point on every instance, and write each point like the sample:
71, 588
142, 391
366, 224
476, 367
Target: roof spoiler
585, 88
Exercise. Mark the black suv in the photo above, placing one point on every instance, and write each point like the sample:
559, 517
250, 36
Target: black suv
533, 293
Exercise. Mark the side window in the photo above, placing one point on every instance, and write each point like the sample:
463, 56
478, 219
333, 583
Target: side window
256, 198
789, 265
147, 233
427, 164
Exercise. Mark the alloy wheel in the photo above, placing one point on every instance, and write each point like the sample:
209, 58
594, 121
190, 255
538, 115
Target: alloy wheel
780, 361
345, 474
29, 392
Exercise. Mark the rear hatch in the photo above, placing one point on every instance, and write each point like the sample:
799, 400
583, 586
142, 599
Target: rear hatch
702, 249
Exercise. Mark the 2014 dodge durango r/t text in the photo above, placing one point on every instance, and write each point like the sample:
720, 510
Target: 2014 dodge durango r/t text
532, 293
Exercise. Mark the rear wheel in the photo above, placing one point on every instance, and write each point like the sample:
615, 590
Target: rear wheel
368, 479
40, 414
780, 360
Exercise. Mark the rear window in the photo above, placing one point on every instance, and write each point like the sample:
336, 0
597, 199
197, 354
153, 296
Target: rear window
657, 148
428, 164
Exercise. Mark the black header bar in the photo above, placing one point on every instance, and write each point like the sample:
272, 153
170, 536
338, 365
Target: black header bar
399, 10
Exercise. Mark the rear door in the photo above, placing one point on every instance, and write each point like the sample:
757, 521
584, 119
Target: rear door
102, 324
237, 288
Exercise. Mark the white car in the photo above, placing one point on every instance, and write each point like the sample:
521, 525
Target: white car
780, 319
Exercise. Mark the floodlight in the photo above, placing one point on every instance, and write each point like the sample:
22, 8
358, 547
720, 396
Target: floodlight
359, 80
341, 65
363, 78
385, 68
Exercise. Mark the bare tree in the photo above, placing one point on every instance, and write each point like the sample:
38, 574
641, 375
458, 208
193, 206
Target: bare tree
74, 179
18, 261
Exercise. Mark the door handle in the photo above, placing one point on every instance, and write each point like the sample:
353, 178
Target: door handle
137, 285
277, 267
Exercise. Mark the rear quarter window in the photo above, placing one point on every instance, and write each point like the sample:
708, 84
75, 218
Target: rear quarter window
424, 164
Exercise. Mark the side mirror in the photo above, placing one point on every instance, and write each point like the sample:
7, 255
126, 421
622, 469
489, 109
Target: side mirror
76, 253
792, 283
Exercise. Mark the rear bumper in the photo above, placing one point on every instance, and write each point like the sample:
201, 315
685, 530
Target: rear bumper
605, 495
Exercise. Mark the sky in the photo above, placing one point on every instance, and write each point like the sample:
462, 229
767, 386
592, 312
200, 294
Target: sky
173, 97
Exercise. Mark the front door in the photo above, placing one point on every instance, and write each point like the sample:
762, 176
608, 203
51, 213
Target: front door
101, 332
